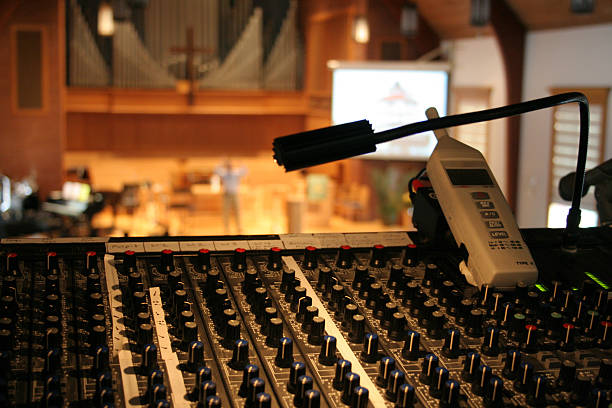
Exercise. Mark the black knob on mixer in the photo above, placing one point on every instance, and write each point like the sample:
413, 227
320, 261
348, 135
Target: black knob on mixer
490, 343
357, 329
494, 393
304, 383
474, 323
52, 263
153, 378
432, 275
395, 380
238, 261
259, 303
428, 365
263, 400
568, 337
51, 284
249, 372
93, 283
166, 264
524, 377
495, 304
6, 341
396, 275
385, 366
538, 390
97, 336
604, 377
470, 365
361, 274
302, 304
317, 328
195, 355
204, 260
12, 264
374, 295
463, 313
52, 360
232, 333
450, 394
309, 314
360, 397
520, 290
269, 313
530, 343
451, 348
370, 348
378, 257
287, 278
435, 325
445, 293
327, 355
189, 331
350, 310
310, 258
439, 377
389, 309
337, 295
297, 370
405, 396
581, 389
344, 259
343, 367
206, 389
275, 332
157, 393
284, 354
256, 386
324, 278
240, 355
511, 366
598, 398
149, 358
411, 255
249, 283
481, 379
52, 338
52, 399
398, 326
411, 346
605, 334
312, 398
351, 381
100, 359
567, 374
275, 262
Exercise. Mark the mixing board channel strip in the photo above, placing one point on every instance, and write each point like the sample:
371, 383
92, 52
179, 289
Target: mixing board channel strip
229, 379
233, 280
345, 350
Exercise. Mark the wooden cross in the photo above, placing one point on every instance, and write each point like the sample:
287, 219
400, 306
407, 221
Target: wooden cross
190, 50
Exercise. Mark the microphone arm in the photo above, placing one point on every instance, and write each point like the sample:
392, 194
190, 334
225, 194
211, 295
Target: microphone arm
343, 141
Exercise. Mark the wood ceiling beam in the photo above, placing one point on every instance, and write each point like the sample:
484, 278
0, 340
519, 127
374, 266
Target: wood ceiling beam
510, 33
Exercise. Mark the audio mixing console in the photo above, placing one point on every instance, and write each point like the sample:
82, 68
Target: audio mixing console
304, 320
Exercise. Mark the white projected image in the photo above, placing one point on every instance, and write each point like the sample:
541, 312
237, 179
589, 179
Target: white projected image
390, 98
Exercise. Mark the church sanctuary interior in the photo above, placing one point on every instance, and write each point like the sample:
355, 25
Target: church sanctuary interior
305, 203
122, 117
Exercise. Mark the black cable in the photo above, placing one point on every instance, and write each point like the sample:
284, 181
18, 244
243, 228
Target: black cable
573, 217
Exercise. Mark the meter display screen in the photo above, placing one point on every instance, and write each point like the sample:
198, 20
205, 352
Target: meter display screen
469, 177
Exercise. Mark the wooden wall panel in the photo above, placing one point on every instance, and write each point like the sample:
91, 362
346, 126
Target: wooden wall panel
182, 134
33, 142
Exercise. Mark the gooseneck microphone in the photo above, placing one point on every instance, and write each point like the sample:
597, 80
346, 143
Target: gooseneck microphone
352, 139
